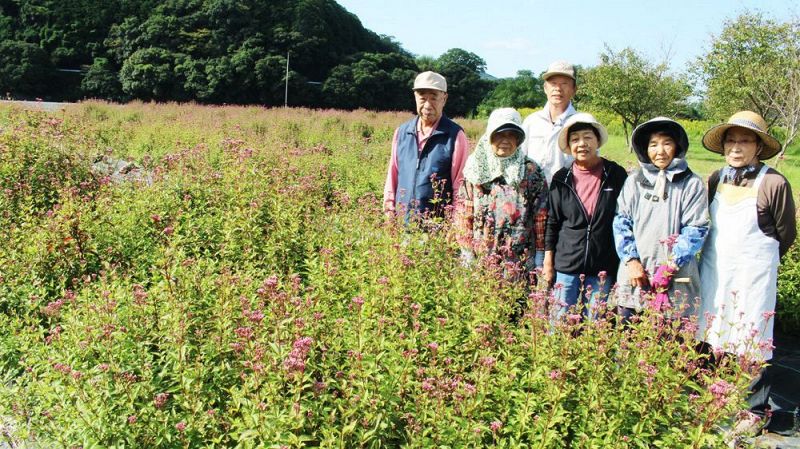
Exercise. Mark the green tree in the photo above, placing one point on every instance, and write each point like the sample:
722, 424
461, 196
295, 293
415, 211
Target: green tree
628, 85
466, 87
523, 91
373, 81
753, 64
148, 74
101, 81
25, 69
426, 63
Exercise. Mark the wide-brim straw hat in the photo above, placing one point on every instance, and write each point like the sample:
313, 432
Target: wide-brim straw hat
712, 139
505, 119
581, 117
640, 138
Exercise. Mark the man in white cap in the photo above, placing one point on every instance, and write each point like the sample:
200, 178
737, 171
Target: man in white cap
542, 127
428, 154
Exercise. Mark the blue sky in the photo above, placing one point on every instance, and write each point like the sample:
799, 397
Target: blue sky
529, 34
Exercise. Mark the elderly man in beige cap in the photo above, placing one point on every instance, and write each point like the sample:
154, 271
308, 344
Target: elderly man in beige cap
428, 154
542, 127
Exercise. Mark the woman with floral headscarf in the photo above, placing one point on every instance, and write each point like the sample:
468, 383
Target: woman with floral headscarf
660, 224
504, 196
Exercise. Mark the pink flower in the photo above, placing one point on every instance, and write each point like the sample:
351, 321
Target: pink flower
669, 241
433, 346
357, 302
555, 374
495, 425
469, 389
660, 302
181, 426
160, 400
132, 419
296, 361
721, 391
244, 333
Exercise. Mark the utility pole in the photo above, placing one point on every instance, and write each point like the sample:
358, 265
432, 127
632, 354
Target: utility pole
286, 92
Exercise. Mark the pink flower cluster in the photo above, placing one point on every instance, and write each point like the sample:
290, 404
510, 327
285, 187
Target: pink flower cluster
721, 391
160, 400
296, 361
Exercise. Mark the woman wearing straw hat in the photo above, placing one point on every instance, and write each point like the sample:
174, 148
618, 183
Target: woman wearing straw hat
579, 245
752, 225
661, 223
503, 198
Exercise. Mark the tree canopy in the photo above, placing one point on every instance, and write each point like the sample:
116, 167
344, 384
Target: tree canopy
523, 91
754, 64
627, 84
204, 50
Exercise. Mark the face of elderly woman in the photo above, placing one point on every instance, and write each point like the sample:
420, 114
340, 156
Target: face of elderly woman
741, 147
583, 145
661, 150
505, 143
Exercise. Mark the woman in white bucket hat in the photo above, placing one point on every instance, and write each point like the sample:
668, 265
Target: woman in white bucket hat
503, 198
579, 244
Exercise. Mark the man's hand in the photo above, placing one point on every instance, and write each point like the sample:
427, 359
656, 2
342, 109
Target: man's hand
636, 273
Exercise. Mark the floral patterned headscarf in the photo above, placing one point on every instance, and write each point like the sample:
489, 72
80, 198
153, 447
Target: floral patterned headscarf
483, 166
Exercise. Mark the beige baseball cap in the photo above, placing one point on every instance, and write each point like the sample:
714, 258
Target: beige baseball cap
559, 68
430, 80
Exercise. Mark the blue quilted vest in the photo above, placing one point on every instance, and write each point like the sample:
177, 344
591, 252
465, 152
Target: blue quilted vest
417, 169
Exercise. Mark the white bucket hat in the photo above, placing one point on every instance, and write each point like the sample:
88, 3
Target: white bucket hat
581, 117
505, 119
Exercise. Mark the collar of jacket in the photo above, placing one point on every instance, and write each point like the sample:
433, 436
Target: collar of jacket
568, 172
642, 179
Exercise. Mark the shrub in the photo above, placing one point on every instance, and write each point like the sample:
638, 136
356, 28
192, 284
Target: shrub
254, 295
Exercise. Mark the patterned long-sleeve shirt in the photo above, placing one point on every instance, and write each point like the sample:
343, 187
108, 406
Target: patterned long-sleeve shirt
497, 216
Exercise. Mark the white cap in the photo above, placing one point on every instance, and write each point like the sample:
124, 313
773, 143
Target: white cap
505, 119
559, 68
581, 117
430, 80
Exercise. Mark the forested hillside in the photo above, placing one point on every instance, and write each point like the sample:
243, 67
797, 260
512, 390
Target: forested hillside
212, 51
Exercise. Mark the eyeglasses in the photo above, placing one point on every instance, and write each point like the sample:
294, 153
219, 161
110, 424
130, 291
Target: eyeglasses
743, 142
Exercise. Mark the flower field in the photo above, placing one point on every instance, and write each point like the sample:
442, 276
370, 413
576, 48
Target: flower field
248, 292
